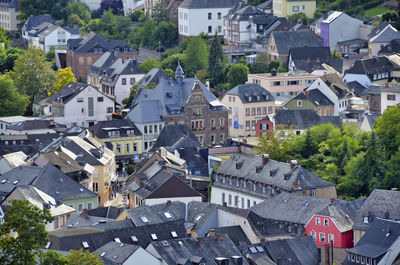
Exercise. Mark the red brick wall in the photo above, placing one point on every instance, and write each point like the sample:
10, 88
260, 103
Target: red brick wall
259, 131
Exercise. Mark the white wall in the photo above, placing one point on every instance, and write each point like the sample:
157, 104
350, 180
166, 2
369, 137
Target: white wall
123, 91
39, 131
362, 79
388, 103
321, 86
216, 197
185, 200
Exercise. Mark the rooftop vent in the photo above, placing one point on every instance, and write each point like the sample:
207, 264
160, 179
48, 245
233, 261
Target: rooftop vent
85, 244
154, 236
174, 234
144, 219
134, 239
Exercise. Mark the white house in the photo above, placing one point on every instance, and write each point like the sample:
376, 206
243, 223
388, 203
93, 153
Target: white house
382, 38
195, 17
390, 97
131, 5
6, 121
13, 160
79, 104
336, 91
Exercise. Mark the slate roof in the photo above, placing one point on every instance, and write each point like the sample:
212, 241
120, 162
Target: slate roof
34, 21
392, 47
286, 40
372, 119
68, 92
72, 238
244, 13
176, 135
386, 35
335, 84
380, 203
379, 28
62, 160
155, 75
85, 152
141, 113
199, 213
376, 241
101, 129
294, 251
371, 66
289, 207
251, 92
115, 253
90, 41
30, 125
157, 214
310, 66
235, 233
76, 220
256, 254
266, 5
22, 175
9, 3
273, 173
301, 118
313, 53
106, 212
356, 87
315, 96
194, 4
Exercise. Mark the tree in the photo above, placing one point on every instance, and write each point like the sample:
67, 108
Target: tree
55, 8
4, 39
77, 14
299, 18
171, 62
32, 74
63, 78
387, 128
216, 62
166, 33
128, 101
115, 6
137, 15
335, 55
149, 64
274, 65
51, 257
8, 57
238, 74
28, 222
80, 257
160, 12
195, 56
11, 102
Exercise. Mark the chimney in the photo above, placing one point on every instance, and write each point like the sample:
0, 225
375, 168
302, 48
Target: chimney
224, 204
211, 232
262, 242
169, 203
165, 168
208, 84
75, 85
218, 237
386, 85
84, 213
200, 240
306, 93
293, 163
332, 200
265, 159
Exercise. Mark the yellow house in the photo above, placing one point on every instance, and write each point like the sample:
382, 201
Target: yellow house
285, 8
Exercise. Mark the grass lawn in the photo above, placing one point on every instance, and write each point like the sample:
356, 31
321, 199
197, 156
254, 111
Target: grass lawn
376, 11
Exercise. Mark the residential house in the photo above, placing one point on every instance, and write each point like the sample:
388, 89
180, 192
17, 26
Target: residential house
286, 8
32, 22
266, 6
334, 224
120, 136
173, 10
372, 71
247, 103
298, 250
33, 127
282, 85
381, 39
59, 210
160, 188
389, 49
210, 12
379, 245
51, 181
9, 13
313, 99
371, 94
368, 123
218, 154
180, 100
213, 250
6, 121
13, 160
356, 110
98, 156
82, 53
390, 96
334, 89
264, 126
245, 180
114, 76
309, 59
336, 27
49, 35
79, 104
154, 76
379, 204
281, 42
116, 253
299, 120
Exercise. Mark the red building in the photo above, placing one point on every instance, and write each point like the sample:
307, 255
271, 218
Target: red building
263, 126
334, 224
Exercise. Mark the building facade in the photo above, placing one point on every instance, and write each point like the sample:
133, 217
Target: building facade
9, 13
285, 8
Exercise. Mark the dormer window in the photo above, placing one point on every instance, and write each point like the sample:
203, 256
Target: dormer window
244, 184
237, 182
230, 181
264, 189
254, 186
239, 165
258, 169
365, 219
224, 180
249, 99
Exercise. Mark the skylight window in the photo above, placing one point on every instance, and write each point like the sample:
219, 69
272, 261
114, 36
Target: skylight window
259, 249
144, 219
134, 239
15, 182
174, 234
117, 240
3, 181
167, 215
102, 254
48, 245
85, 244
154, 236
253, 250
198, 218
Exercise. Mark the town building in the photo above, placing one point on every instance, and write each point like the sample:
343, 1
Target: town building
79, 104
9, 13
83, 52
13, 160
390, 96
34, 21
247, 103
286, 8
131, 5
381, 39
391, 48
245, 180
211, 13
6, 121
180, 100
313, 99
114, 76
264, 126
33, 127
173, 10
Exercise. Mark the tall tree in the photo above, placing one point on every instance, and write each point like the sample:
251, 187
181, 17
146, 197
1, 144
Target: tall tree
149, 64
166, 33
216, 62
387, 129
80, 257
63, 78
55, 8
28, 222
238, 74
160, 12
32, 74
11, 102
8, 57
77, 14
195, 56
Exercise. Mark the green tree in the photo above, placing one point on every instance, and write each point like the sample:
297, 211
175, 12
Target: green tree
51, 257
128, 101
335, 55
216, 62
149, 64
196, 56
4, 39
160, 12
28, 222
237, 74
387, 128
63, 78
392, 176
55, 8
80, 257
171, 62
274, 65
137, 15
166, 33
8, 58
32, 74
146, 33
299, 18
77, 14
11, 102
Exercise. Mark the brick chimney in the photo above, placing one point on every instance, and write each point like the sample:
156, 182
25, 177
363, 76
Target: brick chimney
332, 200
265, 159
84, 213
218, 237
75, 85
211, 232
200, 240
293, 163
169, 202
262, 242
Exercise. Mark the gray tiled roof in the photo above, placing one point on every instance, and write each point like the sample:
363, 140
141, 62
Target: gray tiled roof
177, 136
116, 253
313, 53
302, 118
251, 93
286, 40
386, 35
155, 75
30, 125
192, 4
245, 13
371, 66
100, 128
34, 21
146, 112
200, 212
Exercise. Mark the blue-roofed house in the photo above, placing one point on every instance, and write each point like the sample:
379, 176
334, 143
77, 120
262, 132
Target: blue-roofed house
179, 100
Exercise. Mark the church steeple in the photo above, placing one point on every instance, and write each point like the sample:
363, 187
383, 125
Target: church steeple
179, 74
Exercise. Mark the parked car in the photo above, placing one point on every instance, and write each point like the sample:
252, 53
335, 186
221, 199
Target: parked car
347, 55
